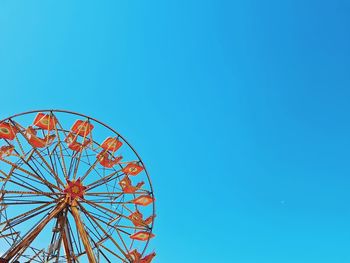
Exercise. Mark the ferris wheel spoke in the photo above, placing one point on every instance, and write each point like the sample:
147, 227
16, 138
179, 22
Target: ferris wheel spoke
98, 236
35, 150
59, 158
25, 242
23, 198
92, 167
24, 214
102, 215
111, 197
34, 175
28, 180
77, 163
4, 175
24, 203
9, 234
16, 166
42, 176
104, 255
23, 184
7, 177
98, 244
102, 229
36, 255
29, 193
97, 172
109, 194
113, 253
20, 254
24, 194
93, 232
54, 167
64, 169
110, 180
113, 219
99, 251
23, 153
79, 154
37, 169
130, 227
96, 206
145, 226
110, 202
72, 164
118, 227
44, 165
104, 180
50, 170
10, 223
108, 225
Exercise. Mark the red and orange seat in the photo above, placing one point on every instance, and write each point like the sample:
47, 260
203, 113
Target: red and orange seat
135, 256
6, 151
45, 121
74, 145
127, 187
7, 131
132, 169
37, 142
107, 160
137, 219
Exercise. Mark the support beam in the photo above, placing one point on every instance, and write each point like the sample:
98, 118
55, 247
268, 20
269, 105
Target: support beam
67, 243
82, 232
25, 243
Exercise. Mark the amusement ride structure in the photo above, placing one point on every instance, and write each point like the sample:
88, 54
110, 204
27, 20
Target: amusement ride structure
72, 189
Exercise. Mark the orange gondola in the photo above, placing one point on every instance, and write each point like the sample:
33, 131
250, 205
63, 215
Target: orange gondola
142, 236
127, 187
135, 256
111, 144
143, 200
6, 151
7, 131
83, 128
37, 142
148, 258
137, 219
72, 143
132, 169
108, 160
45, 121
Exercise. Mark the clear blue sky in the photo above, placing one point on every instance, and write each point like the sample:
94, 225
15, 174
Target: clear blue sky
240, 110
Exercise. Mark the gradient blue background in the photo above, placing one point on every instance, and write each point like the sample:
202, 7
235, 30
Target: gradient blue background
240, 109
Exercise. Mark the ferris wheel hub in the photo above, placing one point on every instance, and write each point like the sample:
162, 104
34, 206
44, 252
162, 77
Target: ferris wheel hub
74, 189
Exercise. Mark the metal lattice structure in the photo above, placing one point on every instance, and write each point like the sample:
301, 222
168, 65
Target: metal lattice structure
72, 190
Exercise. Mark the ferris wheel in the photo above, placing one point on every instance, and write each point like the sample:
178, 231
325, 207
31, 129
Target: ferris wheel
72, 189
